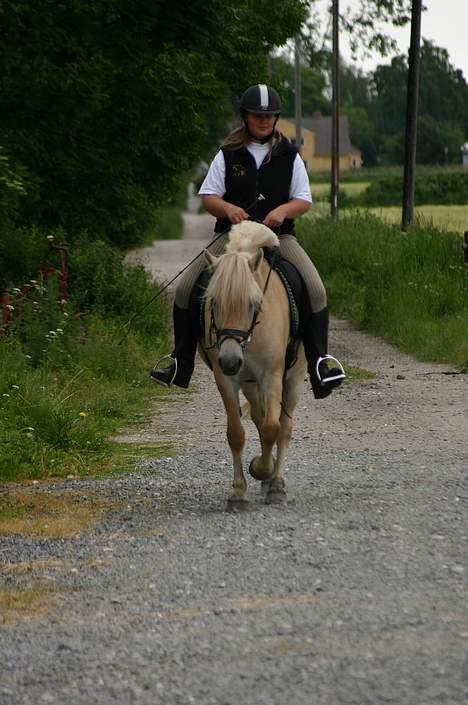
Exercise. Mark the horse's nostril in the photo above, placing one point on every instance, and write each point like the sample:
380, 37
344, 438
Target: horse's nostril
229, 365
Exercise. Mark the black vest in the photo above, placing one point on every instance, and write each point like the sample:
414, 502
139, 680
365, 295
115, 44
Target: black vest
258, 191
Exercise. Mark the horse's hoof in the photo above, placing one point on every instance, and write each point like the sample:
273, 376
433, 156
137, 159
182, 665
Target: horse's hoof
259, 473
275, 497
235, 504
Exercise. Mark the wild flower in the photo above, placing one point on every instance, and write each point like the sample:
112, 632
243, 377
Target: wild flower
83, 414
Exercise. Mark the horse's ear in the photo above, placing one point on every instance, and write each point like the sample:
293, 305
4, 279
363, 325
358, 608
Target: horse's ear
211, 259
256, 261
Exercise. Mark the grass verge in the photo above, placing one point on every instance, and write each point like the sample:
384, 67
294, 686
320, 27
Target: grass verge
410, 288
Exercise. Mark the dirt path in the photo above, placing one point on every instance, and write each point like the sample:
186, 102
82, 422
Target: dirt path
406, 405
353, 593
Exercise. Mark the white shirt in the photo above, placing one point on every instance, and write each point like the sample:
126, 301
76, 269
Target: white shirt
214, 183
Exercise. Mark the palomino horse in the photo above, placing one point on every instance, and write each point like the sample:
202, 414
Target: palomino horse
247, 330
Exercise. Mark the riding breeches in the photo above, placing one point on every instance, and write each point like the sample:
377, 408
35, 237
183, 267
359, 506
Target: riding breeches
289, 249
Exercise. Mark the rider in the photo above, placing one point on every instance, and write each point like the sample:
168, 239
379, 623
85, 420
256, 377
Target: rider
256, 174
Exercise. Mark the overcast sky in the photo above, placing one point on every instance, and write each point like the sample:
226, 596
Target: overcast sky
445, 22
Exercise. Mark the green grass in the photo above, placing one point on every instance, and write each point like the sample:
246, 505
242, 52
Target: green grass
453, 218
57, 418
409, 287
69, 378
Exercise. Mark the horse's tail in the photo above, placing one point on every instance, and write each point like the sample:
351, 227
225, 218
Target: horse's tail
249, 236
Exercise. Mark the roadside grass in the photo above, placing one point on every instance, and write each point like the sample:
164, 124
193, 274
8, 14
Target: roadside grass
39, 513
410, 288
32, 601
358, 374
58, 419
69, 380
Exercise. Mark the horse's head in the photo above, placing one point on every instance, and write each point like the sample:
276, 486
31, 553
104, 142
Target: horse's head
234, 298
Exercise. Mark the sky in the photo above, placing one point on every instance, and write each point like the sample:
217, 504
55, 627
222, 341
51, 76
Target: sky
445, 22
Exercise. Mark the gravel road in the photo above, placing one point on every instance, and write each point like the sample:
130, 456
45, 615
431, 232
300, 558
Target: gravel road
351, 593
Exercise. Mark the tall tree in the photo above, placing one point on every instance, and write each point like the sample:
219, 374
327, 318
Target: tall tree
106, 102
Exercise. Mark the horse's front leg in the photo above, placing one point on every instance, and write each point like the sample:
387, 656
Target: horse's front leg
235, 435
266, 414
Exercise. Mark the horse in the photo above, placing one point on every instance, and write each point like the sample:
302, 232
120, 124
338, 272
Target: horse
246, 334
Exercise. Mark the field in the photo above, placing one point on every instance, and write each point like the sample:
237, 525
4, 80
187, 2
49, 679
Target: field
450, 218
454, 218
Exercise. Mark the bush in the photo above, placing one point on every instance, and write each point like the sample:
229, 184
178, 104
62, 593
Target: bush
439, 188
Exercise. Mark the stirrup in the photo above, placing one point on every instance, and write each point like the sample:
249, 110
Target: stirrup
340, 375
156, 367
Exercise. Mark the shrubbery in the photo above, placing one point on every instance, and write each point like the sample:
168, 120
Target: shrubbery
406, 286
440, 188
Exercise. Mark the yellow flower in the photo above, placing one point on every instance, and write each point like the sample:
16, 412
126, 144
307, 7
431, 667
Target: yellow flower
83, 414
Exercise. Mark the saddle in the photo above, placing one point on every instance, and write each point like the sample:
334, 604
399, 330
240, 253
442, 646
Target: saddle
295, 291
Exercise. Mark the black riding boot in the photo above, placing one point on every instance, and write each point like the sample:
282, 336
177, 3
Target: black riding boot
180, 370
315, 339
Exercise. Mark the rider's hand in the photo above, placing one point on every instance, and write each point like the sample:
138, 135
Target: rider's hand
275, 217
236, 214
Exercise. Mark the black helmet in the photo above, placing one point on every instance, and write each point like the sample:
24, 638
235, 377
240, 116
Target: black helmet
261, 100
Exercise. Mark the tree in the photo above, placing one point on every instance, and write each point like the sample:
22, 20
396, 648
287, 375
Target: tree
105, 103
314, 84
443, 107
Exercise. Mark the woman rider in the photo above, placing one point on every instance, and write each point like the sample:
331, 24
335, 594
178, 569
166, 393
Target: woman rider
257, 174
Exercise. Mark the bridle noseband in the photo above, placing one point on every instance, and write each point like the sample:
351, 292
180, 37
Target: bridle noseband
242, 337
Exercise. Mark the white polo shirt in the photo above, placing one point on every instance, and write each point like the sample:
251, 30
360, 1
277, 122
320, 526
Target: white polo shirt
214, 183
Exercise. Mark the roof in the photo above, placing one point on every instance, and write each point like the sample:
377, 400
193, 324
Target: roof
322, 128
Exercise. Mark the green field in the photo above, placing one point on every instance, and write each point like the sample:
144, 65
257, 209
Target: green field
454, 218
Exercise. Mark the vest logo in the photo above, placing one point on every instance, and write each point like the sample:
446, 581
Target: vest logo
238, 170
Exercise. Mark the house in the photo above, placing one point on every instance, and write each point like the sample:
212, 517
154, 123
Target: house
316, 135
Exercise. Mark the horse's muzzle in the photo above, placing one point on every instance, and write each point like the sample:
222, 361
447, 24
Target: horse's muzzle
230, 357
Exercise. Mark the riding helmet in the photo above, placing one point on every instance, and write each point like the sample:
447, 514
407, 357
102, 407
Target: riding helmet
260, 99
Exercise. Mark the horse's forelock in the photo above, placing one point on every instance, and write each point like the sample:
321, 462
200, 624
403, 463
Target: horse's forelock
233, 286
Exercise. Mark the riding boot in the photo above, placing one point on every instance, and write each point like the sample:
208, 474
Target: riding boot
315, 339
180, 370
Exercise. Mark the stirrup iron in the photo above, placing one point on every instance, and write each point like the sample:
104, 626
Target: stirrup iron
173, 362
339, 376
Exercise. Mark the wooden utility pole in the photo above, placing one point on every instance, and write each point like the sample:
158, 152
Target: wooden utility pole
411, 116
335, 161
298, 93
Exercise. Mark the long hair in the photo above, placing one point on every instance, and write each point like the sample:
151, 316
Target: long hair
240, 137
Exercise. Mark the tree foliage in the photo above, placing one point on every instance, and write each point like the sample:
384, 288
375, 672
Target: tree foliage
105, 103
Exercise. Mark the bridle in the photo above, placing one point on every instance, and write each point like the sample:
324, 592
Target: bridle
242, 337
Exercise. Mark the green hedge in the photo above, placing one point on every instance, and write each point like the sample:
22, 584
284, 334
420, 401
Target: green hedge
444, 189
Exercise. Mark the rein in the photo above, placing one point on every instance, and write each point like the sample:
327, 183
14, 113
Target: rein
242, 337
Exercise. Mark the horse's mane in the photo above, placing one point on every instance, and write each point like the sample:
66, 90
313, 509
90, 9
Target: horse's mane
233, 286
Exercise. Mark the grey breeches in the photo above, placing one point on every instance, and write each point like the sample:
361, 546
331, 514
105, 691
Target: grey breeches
290, 249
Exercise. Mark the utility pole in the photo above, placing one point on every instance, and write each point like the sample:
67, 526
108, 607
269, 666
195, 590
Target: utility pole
411, 116
298, 93
335, 160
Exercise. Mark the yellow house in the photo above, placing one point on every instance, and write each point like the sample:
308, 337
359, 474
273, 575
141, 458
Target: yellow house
316, 142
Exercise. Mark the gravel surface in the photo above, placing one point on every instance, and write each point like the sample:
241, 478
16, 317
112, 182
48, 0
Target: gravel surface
351, 593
